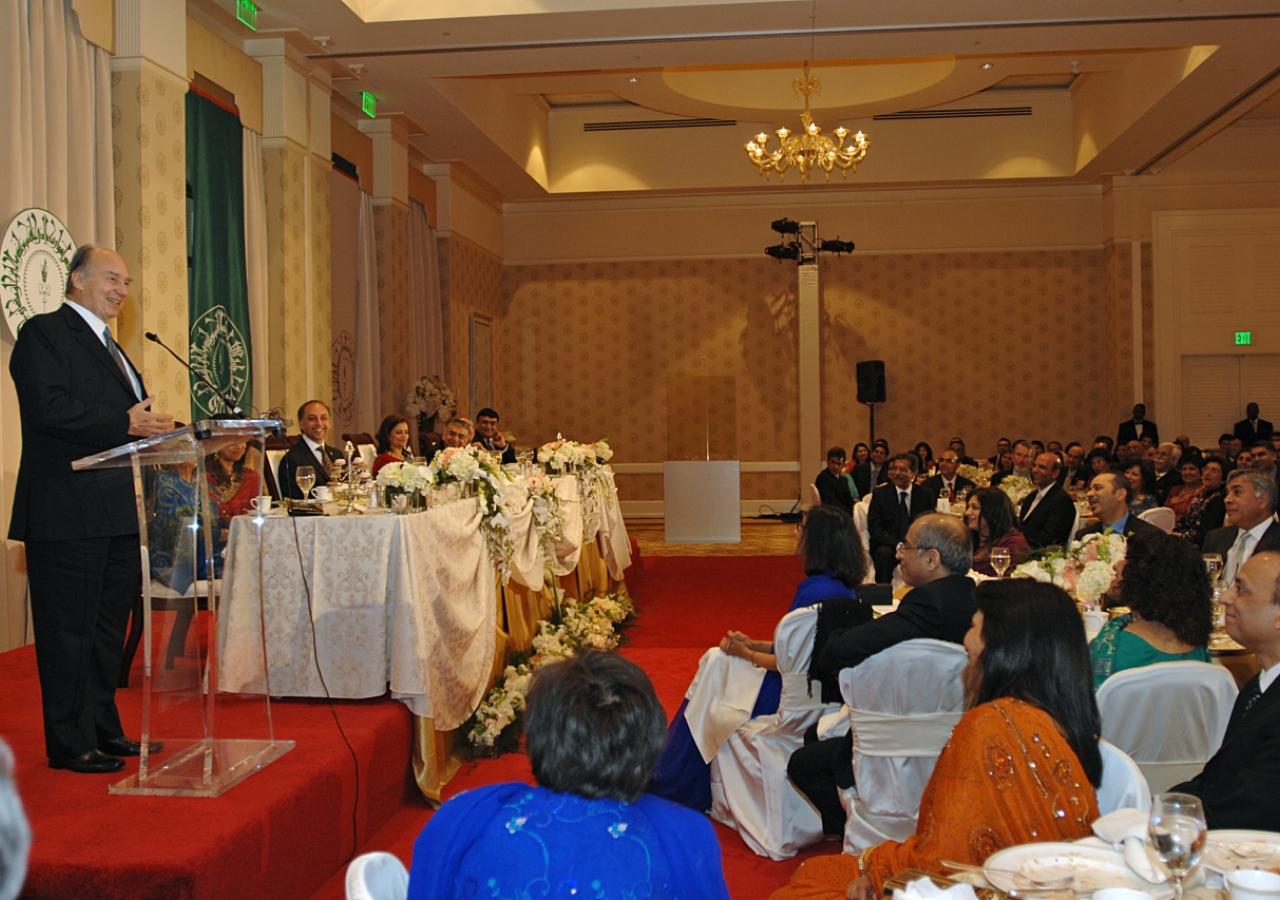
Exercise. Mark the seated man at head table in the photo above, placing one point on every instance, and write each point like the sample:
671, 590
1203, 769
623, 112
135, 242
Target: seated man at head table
1109, 502
458, 432
490, 438
935, 558
1250, 503
1240, 785
310, 450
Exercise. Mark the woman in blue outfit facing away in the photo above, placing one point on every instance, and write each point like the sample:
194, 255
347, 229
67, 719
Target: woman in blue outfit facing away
836, 564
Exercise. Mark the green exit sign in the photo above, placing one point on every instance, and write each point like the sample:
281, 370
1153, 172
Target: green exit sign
1243, 338
247, 12
369, 104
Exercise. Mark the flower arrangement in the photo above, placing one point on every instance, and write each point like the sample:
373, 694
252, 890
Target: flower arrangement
430, 397
560, 454
1084, 569
548, 519
1017, 487
406, 476
495, 489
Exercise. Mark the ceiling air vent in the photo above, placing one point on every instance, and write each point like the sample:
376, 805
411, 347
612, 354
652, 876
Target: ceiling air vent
981, 113
646, 124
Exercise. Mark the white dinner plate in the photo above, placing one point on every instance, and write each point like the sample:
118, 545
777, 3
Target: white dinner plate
1093, 868
1249, 842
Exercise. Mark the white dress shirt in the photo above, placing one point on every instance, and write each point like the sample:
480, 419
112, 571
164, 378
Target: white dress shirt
1235, 558
97, 326
1036, 502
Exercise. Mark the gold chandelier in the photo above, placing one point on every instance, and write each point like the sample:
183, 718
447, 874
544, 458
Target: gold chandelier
810, 148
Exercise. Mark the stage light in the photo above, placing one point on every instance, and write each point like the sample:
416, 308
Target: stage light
786, 226
784, 251
837, 246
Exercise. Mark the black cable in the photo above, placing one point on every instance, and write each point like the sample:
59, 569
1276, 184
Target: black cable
315, 654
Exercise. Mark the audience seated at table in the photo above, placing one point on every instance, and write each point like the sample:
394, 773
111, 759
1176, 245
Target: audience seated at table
1207, 509
1251, 528
593, 730
1182, 495
1022, 764
992, 523
458, 432
927, 464
835, 488
173, 545
233, 484
1142, 487
835, 565
894, 506
392, 438
488, 437
1163, 582
1240, 784
1108, 497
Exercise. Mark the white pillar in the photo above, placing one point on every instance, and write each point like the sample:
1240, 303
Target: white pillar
809, 372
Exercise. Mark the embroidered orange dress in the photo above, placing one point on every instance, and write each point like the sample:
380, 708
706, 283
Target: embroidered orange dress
1006, 777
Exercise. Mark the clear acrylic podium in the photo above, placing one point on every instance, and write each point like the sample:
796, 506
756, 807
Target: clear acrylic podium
212, 740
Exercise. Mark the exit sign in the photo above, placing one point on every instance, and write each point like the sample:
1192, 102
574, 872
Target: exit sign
247, 12
369, 104
1243, 338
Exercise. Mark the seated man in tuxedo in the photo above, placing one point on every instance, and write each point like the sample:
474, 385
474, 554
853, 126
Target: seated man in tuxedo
947, 482
894, 506
965, 459
458, 432
310, 450
1138, 427
871, 474
1251, 508
1048, 515
1002, 445
1168, 465
1251, 428
935, 560
1262, 454
490, 438
1109, 501
1023, 457
834, 487
1075, 474
1235, 784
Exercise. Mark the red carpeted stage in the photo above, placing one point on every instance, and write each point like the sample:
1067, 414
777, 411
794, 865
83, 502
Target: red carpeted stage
287, 832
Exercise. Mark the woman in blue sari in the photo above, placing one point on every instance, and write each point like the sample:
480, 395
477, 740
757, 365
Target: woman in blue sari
836, 564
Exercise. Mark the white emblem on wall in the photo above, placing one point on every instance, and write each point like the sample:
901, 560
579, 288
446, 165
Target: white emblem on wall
219, 353
35, 257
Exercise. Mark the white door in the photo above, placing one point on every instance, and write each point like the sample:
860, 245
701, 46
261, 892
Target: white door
1216, 389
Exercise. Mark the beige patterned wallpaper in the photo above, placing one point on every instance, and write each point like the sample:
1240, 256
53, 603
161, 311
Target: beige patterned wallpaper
391, 238
148, 137
286, 258
318, 230
471, 281
1148, 327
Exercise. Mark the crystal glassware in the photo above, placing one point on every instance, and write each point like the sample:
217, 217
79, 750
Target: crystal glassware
305, 476
1178, 831
1000, 560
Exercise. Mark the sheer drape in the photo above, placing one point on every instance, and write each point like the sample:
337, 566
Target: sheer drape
255, 268
368, 404
426, 328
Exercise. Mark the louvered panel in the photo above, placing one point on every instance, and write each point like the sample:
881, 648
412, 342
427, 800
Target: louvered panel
1266, 278
1260, 384
1210, 397
1210, 284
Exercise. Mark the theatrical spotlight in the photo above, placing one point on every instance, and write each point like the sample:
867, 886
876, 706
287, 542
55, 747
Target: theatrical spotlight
786, 226
837, 246
783, 251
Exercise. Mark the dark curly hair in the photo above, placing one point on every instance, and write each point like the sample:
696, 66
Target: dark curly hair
1165, 581
829, 543
1148, 476
996, 509
384, 432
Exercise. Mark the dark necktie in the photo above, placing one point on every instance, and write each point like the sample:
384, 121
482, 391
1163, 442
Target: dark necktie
905, 507
1252, 694
114, 349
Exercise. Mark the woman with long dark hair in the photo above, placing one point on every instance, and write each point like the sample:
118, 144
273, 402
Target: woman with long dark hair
393, 438
1209, 508
992, 521
1022, 764
1142, 487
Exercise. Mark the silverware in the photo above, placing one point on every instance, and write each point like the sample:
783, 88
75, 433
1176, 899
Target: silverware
1066, 883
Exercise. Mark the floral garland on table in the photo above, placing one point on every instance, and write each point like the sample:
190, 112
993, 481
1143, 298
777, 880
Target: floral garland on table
594, 624
406, 476
548, 519
1084, 569
430, 397
588, 463
1017, 487
494, 489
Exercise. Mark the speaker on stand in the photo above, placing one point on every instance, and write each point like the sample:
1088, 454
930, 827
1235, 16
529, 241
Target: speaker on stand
871, 388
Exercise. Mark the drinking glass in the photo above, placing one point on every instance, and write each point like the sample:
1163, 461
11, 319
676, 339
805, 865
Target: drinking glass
1000, 560
1213, 562
1178, 830
305, 476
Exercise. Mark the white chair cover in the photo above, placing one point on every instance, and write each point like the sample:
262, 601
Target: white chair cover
750, 791
1162, 517
1075, 526
721, 698
860, 521
377, 876
815, 498
903, 703
1123, 784
368, 452
1170, 717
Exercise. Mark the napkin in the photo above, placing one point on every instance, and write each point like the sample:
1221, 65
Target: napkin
925, 889
1126, 830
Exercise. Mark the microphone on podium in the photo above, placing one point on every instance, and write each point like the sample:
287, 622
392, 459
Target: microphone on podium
231, 406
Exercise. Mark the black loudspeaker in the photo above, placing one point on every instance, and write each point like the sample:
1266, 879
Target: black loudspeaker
871, 381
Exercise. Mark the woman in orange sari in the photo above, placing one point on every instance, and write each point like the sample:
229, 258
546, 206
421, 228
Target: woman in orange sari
1022, 764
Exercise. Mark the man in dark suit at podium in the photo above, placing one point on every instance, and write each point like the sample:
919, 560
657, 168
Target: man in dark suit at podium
79, 395
311, 450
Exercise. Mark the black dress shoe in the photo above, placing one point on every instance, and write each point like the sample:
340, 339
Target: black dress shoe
93, 762
123, 746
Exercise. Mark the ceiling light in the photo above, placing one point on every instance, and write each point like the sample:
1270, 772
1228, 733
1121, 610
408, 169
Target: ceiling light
634, 80
986, 66
810, 148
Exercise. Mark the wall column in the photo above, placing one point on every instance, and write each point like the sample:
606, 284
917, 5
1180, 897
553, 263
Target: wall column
148, 137
809, 372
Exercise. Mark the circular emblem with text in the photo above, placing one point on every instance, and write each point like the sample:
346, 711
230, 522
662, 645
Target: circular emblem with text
35, 257
220, 353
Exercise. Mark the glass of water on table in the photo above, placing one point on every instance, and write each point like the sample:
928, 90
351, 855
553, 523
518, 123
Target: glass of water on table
1178, 831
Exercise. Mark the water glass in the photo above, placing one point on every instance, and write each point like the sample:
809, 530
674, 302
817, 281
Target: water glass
1000, 560
1178, 831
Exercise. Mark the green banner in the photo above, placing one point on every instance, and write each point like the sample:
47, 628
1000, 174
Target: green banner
219, 302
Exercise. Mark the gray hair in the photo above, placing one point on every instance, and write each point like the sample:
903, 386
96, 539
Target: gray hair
15, 833
1263, 484
80, 260
950, 537
1174, 450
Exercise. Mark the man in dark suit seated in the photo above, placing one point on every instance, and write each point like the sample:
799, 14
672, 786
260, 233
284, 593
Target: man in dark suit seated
1138, 427
310, 450
965, 459
1168, 469
1251, 507
1263, 456
1251, 428
834, 487
1109, 501
458, 432
1023, 457
490, 438
935, 560
1239, 785
871, 474
894, 506
1002, 445
1048, 514
947, 481
1075, 474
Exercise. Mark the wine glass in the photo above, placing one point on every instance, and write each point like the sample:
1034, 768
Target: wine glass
1213, 562
1000, 560
1178, 831
305, 476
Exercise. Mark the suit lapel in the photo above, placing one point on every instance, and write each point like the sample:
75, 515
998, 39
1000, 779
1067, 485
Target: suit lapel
93, 343
1237, 725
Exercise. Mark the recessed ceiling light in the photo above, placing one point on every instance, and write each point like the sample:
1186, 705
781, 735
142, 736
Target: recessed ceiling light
986, 66
633, 80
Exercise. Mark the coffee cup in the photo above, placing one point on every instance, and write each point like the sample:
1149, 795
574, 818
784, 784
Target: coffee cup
322, 493
1253, 884
262, 504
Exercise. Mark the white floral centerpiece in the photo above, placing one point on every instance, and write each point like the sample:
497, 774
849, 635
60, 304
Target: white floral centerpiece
495, 489
979, 475
1084, 569
1017, 487
406, 478
561, 455
589, 462
430, 397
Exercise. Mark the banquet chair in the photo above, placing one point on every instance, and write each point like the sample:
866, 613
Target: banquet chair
860, 521
165, 599
377, 876
366, 446
898, 732
1123, 784
1170, 717
1162, 517
1075, 527
750, 791
815, 498
274, 448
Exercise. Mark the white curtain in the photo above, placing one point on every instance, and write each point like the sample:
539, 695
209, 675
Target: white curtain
426, 327
255, 265
368, 395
